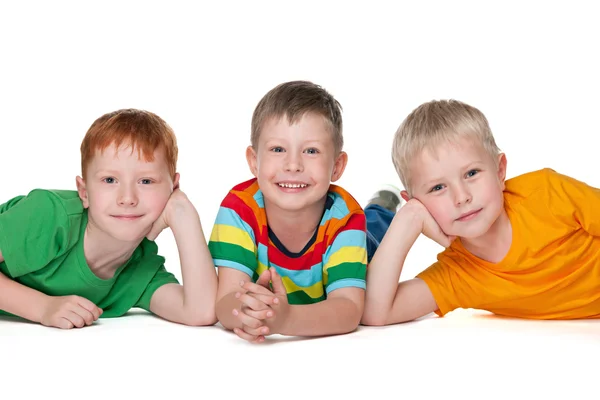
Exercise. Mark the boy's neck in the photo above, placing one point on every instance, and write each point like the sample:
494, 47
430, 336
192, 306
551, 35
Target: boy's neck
494, 245
294, 229
104, 254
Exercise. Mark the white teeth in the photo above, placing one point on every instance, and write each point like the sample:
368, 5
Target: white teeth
293, 185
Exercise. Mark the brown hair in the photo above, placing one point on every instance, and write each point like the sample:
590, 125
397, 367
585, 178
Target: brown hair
293, 100
435, 123
140, 129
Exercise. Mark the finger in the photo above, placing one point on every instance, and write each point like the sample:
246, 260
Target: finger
64, 323
261, 315
252, 302
268, 300
253, 287
263, 279
278, 287
89, 306
263, 330
246, 319
75, 319
87, 315
246, 336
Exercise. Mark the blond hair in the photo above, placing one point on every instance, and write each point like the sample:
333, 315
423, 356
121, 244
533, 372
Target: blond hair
293, 100
434, 123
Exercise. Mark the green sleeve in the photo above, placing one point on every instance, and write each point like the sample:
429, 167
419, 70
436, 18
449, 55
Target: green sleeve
162, 277
34, 230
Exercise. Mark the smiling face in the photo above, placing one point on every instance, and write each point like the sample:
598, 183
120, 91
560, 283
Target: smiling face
294, 164
461, 185
124, 194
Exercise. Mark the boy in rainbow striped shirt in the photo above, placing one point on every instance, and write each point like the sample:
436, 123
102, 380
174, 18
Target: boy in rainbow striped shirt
292, 248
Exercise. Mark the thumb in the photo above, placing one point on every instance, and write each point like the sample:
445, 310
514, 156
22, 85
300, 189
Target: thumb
153, 234
278, 287
264, 278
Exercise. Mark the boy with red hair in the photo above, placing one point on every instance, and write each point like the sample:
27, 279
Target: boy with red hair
70, 257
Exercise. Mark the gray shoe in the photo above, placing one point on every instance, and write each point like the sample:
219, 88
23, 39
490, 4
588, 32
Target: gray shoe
388, 197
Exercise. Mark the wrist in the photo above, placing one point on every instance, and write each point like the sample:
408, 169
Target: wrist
183, 213
286, 326
39, 308
413, 213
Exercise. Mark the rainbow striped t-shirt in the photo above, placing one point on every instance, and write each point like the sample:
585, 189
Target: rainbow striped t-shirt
335, 257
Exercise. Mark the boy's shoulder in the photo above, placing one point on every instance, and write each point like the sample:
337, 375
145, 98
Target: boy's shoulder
530, 182
343, 201
44, 200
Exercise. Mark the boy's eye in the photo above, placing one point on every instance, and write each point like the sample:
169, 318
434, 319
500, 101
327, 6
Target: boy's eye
472, 172
146, 181
110, 179
312, 150
437, 188
277, 149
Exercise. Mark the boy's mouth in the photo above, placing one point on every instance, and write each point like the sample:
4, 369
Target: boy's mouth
127, 217
292, 185
469, 215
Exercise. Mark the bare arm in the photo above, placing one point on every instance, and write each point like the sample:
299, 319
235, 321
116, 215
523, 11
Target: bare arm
21, 300
64, 312
192, 303
387, 301
229, 285
339, 314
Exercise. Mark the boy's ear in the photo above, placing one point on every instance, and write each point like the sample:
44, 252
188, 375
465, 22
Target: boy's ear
339, 166
405, 195
176, 181
502, 168
251, 159
82, 191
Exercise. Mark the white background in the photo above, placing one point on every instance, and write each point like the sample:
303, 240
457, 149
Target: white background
531, 67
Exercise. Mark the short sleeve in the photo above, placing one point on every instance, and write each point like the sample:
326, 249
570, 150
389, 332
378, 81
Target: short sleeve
438, 278
162, 277
232, 243
455, 282
574, 202
34, 230
345, 261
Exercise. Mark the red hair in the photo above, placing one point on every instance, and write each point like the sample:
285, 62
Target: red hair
140, 129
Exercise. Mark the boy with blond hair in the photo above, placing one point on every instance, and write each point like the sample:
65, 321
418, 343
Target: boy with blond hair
70, 257
527, 247
291, 228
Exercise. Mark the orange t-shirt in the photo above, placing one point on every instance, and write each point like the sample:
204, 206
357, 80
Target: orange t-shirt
552, 270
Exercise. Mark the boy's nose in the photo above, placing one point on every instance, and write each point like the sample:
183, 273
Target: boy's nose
294, 164
462, 196
127, 198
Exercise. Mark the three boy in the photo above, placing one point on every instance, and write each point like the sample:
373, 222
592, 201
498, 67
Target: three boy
291, 247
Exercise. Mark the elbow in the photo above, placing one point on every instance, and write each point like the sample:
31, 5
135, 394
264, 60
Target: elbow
373, 319
201, 318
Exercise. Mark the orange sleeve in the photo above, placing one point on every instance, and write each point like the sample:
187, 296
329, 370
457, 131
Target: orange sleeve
573, 202
438, 280
456, 281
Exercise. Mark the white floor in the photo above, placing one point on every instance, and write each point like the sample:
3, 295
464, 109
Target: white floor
203, 66
469, 353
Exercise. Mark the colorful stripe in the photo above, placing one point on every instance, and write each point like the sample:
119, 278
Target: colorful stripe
337, 258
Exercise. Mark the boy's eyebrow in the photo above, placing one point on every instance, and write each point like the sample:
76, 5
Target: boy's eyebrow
467, 167
431, 183
115, 172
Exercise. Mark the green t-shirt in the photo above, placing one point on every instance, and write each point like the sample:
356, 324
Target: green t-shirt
41, 240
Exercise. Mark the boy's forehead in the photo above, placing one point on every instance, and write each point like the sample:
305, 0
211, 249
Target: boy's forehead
434, 161
315, 124
126, 152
